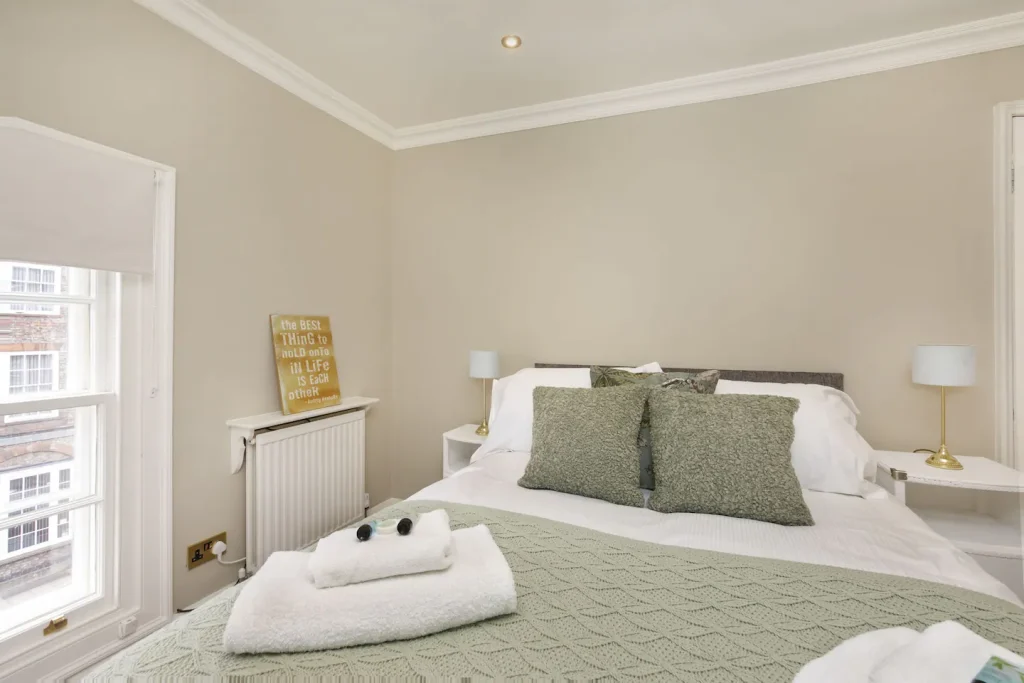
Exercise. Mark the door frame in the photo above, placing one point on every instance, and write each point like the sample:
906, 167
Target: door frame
1009, 293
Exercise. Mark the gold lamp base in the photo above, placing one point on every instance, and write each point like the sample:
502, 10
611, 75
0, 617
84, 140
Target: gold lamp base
483, 430
943, 460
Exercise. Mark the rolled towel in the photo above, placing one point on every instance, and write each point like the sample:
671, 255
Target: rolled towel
341, 558
853, 660
946, 652
280, 610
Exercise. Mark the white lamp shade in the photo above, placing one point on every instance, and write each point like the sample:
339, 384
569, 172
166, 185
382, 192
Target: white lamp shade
483, 364
944, 366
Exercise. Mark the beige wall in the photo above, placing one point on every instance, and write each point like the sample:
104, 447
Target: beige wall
831, 228
280, 209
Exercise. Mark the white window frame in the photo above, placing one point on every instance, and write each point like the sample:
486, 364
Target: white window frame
5, 384
7, 275
96, 578
142, 398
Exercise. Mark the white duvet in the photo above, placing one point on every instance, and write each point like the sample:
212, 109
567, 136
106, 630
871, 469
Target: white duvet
876, 534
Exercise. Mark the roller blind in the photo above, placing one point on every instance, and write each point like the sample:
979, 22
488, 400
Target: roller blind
73, 204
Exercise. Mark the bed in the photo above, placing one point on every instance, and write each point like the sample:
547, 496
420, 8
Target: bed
614, 592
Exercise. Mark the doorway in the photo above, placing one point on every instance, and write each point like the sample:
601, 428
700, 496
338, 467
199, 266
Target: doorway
1008, 211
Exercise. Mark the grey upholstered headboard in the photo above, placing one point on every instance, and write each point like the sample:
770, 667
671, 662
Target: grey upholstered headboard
828, 379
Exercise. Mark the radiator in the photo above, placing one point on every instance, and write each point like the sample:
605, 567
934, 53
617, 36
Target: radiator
303, 479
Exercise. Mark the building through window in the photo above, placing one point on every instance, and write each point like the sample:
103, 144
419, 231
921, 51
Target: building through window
26, 535
30, 486
33, 280
31, 372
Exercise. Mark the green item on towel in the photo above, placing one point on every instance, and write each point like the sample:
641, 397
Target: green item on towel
999, 670
597, 606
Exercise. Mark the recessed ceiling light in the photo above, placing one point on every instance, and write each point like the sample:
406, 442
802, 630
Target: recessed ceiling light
511, 41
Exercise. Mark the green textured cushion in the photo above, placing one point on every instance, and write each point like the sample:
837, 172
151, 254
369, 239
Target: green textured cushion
584, 442
703, 383
726, 455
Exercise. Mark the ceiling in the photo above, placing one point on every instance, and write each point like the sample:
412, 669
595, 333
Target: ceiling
413, 62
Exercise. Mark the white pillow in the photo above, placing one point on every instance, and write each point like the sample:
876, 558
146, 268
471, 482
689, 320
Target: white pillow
497, 395
498, 386
511, 418
829, 454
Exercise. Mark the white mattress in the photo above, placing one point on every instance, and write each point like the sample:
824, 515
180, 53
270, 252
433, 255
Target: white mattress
877, 533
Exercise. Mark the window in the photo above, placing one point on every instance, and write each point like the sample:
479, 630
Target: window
110, 324
28, 279
55, 379
63, 528
30, 373
30, 486
34, 488
29, 534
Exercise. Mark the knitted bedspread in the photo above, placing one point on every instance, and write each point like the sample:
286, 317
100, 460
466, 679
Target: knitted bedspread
597, 606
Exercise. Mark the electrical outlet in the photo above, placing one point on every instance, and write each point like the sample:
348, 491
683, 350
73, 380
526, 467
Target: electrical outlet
202, 552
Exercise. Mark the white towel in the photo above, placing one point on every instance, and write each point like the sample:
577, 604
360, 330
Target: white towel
852, 660
944, 653
280, 610
341, 558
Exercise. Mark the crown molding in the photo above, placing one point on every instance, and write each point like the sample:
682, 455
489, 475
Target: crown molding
202, 23
918, 48
960, 40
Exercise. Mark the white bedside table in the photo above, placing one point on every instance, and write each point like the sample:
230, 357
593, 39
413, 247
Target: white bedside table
459, 445
976, 508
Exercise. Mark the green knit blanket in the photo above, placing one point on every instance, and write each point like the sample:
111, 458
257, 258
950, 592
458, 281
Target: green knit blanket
597, 606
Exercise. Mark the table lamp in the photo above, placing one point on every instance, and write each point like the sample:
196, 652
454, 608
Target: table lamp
944, 366
483, 365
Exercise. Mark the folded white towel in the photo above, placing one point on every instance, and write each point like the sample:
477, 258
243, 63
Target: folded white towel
944, 653
852, 660
341, 558
280, 610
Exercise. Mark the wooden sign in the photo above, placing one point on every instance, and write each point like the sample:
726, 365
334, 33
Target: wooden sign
306, 369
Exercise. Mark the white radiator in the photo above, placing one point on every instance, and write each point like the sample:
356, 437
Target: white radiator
305, 475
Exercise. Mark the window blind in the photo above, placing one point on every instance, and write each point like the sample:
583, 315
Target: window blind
73, 204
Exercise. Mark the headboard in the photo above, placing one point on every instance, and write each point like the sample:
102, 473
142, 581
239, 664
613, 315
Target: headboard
828, 379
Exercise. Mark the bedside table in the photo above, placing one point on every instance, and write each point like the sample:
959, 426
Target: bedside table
976, 508
459, 445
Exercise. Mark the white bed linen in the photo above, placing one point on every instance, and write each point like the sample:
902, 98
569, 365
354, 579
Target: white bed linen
876, 533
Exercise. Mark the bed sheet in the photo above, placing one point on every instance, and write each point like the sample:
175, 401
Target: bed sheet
874, 533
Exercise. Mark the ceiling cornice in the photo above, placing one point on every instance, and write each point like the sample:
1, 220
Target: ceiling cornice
929, 46
919, 48
201, 22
